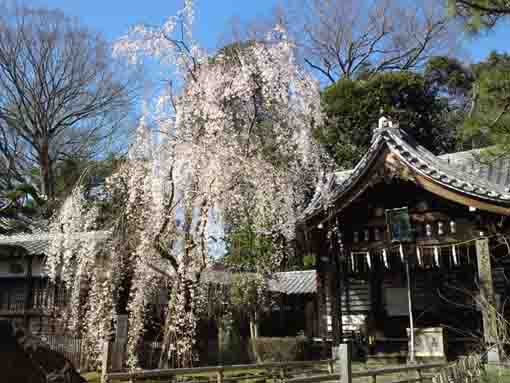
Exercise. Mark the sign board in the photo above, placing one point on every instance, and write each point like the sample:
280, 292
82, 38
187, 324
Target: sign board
428, 342
396, 302
122, 327
399, 225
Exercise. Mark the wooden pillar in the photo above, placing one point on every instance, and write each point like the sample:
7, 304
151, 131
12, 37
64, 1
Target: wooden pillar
309, 317
282, 302
28, 292
412, 358
317, 240
118, 348
339, 272
487, 299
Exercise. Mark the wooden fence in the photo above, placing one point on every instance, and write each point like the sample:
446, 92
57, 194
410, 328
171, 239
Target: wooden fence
71, 348
223, 373
465, 370
415, 373
338, 369
68, 346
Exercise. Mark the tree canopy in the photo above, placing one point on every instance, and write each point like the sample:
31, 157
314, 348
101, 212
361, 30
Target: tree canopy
478, 96
61, 96
353, 107
480, 14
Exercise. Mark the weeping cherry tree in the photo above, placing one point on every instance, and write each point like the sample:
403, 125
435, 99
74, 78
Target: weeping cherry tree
231, 137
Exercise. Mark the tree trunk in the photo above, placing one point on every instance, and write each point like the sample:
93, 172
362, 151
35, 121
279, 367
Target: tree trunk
180, 326
46, 173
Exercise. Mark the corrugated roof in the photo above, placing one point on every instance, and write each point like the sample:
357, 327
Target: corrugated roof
20, 224
287, 282
294, 282
32, 244
458, 171
37, 244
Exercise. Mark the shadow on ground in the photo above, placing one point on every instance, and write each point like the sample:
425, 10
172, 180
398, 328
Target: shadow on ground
26, 359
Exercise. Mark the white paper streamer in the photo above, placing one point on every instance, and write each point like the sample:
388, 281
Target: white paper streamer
454, 255
401, 249
369, 262
436, 256
385, 259
352, 263
418, 255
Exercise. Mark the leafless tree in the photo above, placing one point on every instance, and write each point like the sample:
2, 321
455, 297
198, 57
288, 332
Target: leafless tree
342, 38
60, 92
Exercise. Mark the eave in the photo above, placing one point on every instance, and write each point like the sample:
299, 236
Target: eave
391, 147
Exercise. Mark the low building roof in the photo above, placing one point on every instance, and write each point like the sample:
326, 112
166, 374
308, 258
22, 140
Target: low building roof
294, 282
286, 282
38, 244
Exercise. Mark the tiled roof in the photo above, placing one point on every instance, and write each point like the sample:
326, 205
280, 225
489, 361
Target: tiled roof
37, 244
20, 224
458, 171
32, 244
287, 282
294, 282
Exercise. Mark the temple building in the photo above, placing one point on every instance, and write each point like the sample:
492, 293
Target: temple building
411, 250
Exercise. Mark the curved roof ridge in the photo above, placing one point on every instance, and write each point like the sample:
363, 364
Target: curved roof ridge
449, 170
443, 172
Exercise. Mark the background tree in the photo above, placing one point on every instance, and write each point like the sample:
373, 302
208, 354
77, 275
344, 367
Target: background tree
478, 96
60, 95
480, 14
353, 107
340, 39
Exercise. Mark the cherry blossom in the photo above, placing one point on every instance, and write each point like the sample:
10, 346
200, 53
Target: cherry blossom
230, 137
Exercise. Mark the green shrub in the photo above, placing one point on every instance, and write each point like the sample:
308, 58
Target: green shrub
279, 349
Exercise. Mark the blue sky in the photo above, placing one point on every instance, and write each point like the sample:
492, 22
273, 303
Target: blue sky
113, 18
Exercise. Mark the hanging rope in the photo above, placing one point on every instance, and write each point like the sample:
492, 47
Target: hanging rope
423, 258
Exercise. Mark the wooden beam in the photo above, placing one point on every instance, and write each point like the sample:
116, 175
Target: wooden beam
443, 192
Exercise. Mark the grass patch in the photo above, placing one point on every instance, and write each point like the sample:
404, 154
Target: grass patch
92, 377
253, 375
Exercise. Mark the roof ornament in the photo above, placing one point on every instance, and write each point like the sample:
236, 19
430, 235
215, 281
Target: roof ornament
385, 122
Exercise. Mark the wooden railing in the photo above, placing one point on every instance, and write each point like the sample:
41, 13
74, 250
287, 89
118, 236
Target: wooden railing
374, 373
282, 371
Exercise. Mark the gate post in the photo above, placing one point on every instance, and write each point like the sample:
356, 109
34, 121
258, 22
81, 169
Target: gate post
343, 361
104, 361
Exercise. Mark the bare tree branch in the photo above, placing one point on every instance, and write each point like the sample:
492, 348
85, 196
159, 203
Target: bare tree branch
59, 91
341, 38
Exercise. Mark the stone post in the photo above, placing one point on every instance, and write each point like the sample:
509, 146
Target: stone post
343, 361
104, 361
487, 300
